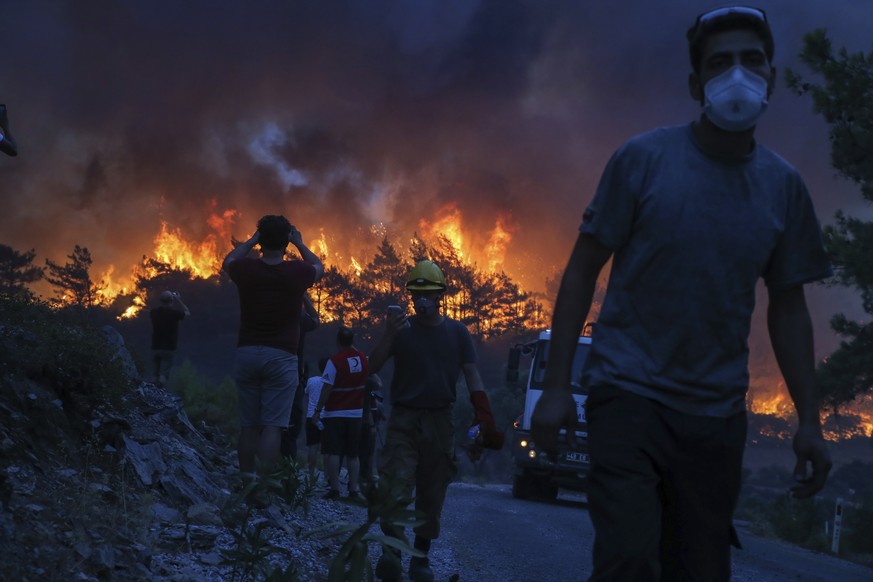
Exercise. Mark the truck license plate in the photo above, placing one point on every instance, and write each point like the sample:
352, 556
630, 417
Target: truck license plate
575, 457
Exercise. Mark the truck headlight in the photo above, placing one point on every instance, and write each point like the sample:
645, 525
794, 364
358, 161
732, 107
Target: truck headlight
532, 454
523, 443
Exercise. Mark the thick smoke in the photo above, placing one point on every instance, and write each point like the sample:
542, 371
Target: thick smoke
345, 114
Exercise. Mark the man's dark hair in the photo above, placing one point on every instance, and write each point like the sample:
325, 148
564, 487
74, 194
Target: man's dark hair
698, 34
345, 336
274, 230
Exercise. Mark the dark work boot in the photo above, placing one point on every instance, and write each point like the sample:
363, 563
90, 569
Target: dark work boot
419, 570
389, 568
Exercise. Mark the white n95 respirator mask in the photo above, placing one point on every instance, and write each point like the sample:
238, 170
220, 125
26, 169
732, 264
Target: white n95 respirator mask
735, 99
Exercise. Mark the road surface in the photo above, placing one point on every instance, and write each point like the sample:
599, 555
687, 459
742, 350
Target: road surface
487, 536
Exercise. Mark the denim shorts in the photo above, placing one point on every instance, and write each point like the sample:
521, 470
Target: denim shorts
266, 379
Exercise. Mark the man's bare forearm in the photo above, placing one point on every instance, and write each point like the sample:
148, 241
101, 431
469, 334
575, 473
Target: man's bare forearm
310, 257
572, 306
791, 336
240, 251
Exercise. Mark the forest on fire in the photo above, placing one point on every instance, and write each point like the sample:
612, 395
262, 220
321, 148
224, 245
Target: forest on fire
489, 303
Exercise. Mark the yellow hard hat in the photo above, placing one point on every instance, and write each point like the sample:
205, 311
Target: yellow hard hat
426, 276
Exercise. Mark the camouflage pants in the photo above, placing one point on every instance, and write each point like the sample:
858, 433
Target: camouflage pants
419, 450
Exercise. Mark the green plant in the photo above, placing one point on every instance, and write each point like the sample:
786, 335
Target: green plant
54, 347
385, 503
285, 481
800, 521
856, 523
204, 401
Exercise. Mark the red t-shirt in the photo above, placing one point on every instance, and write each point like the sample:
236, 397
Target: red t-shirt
270, 301
346, 371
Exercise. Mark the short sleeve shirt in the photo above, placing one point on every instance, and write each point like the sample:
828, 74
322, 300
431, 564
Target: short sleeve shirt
271, 301
691, 236
313, 393
427, 363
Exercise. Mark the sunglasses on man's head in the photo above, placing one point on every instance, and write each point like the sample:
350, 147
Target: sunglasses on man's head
730, 10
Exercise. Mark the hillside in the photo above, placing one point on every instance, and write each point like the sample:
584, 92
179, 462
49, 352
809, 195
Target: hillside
113, 482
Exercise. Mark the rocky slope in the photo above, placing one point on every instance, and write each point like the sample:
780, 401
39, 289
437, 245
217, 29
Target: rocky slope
92, 491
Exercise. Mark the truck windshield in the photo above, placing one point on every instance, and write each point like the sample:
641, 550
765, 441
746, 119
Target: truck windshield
542, 357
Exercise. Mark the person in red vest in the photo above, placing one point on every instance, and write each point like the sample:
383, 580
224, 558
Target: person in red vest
341, 408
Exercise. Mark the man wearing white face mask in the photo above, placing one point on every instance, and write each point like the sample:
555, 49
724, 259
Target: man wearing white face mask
692, 217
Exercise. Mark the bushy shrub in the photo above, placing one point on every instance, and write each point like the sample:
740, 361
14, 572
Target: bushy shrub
857, 520
58, 349
800, 521
216, 405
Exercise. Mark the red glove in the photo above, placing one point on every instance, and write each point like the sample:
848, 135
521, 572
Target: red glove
491, 437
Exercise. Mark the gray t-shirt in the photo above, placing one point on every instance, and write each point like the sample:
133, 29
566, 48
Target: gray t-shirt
427, 363
691, 235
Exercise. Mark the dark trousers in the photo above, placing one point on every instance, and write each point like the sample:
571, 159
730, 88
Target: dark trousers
662, 490
419, 450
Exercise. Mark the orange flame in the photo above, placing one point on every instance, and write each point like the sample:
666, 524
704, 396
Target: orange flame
320, 245
498, 242
779, 404
201, 259
356, 267
448, 224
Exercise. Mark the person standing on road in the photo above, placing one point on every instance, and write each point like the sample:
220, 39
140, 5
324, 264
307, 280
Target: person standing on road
313, 426
692, 217
340, 408
430, 352
309, 321
370, 425
271, 300
165, 333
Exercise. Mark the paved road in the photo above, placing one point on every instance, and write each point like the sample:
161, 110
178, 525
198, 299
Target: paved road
490, 537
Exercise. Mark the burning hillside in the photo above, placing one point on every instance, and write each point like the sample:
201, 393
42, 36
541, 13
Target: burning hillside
850, 421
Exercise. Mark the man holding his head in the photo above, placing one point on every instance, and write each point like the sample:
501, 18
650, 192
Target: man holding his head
271, 300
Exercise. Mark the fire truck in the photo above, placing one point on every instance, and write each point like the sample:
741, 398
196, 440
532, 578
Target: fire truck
537, 475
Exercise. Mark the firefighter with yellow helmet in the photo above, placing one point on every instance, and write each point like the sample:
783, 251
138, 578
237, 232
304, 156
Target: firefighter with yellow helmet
430, 352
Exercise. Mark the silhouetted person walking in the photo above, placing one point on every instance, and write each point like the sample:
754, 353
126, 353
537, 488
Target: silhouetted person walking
692, 216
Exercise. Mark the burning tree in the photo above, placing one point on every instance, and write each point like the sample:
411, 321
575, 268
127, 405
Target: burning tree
72, 281
844, 100
385, 275
16, 271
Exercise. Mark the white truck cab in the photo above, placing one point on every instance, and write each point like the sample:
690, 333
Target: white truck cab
535, 474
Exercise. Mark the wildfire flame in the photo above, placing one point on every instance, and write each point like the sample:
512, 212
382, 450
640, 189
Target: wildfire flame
203, 259
320, 245
778, 403
498, 242
356, 267
447, 224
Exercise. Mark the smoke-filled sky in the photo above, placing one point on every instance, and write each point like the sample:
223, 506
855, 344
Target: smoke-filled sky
347, 114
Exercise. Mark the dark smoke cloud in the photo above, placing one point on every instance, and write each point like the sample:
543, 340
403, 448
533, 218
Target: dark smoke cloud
360, 112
